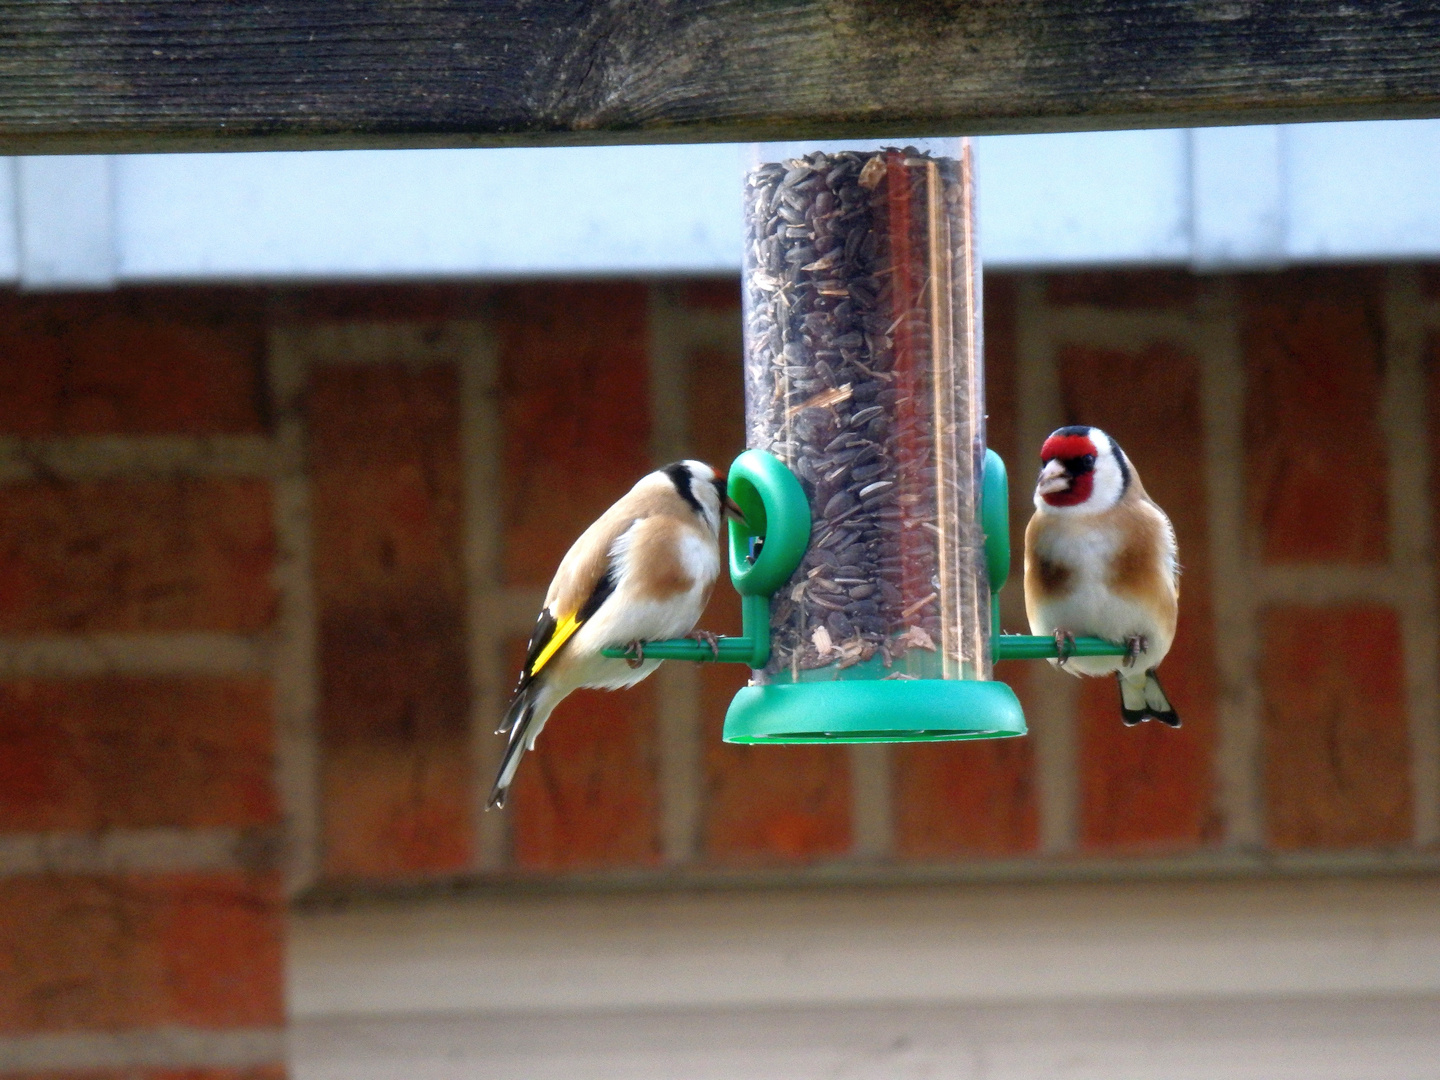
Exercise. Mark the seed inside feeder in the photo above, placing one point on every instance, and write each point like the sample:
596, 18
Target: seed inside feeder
862, 375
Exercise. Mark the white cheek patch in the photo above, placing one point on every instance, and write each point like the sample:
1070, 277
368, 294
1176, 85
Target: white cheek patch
1109, 484
709, 499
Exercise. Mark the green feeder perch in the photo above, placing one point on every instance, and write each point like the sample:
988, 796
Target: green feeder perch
862, 701
876, 538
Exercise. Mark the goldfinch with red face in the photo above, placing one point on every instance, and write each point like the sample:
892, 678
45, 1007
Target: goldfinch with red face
642, 572
1101, 561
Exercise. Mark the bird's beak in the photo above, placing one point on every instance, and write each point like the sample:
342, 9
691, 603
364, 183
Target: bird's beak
732, 510
728, 506
1053, 478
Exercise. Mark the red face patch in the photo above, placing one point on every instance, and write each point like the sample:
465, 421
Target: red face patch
1079, 490
1065, 447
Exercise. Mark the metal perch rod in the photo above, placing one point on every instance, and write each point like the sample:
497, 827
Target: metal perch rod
739, 649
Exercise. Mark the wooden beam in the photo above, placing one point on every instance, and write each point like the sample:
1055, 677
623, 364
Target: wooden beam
126, 75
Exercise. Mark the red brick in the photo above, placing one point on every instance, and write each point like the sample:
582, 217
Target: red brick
770, 804
717, 407
399, 807
1430, 280
134, 362
143, 556
1315, 455
962, 799
1001, 329
767, 804
387, 479
1149, 787
1143, 788
576, 414
82, 953
1147, 288
91, 754
713, 294
355, 302
969, 798
764, 804
1337, 747
1433, 396
1002, 431
387, 488
587, 796
256, 1072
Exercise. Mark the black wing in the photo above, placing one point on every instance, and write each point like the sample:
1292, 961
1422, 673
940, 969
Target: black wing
541, 636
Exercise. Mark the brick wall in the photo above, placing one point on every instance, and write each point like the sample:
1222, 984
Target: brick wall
268, 558
141, 902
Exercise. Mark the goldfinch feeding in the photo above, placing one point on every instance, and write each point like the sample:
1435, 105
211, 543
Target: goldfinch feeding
1101, 561
642, 572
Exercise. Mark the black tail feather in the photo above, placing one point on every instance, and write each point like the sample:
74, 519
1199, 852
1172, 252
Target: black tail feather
515, 707
1146, 701
519, 718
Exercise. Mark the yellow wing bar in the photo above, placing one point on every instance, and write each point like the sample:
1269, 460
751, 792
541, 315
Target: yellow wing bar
563, 630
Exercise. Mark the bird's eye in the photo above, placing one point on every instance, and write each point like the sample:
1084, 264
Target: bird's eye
1077, 465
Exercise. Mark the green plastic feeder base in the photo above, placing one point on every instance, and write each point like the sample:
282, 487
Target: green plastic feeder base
874, 710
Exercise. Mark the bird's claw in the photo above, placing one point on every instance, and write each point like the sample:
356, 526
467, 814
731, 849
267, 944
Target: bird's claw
635, 653
1064, 647
707, 638
1135, 644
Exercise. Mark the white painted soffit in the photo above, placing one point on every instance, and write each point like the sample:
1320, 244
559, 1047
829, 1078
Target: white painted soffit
9, 221
1218, 198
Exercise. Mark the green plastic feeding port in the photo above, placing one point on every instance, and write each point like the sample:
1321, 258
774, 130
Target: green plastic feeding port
863, 702
873, 711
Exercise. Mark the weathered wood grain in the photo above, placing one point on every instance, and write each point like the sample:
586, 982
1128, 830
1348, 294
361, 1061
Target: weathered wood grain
109, 75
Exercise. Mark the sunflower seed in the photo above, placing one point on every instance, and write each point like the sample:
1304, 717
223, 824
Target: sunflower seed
839, 360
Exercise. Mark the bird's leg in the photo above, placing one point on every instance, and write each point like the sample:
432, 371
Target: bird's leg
707, 638
1064, 646
635, 653
1135, 644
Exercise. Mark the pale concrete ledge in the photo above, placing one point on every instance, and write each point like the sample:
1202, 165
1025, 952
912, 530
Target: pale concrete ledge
164, 1048
1372, 1039
121, 851
1315, 979
978, 944
134, 457
133, 654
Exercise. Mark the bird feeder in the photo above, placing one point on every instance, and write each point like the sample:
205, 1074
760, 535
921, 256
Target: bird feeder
876, 533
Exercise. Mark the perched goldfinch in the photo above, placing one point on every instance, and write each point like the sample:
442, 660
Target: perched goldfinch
1100, 561
642, 572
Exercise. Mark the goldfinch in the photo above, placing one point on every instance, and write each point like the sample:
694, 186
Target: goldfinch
642, 572
1101, 561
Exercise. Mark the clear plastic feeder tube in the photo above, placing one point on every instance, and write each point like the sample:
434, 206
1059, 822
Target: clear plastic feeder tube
863, 374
